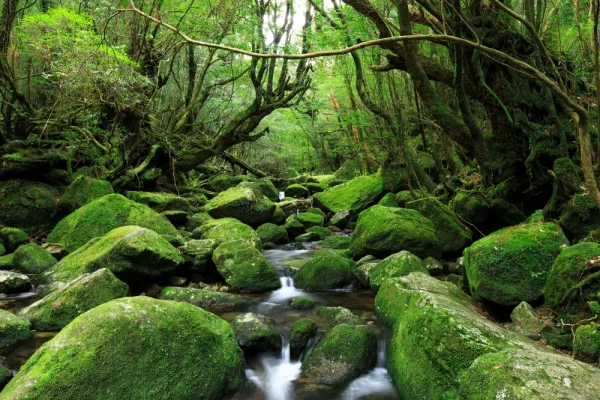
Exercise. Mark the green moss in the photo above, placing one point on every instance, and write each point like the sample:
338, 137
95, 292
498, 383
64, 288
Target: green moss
13, 329
56, 310
244, 268
307, 237
197, 254
205, 298
256, 332
272, 233
32, 259
245, 204
27, 205
338, 242
343, 354
512, 264
472, 206
209, 224
297, 191
130, 252
338, 315
137, 348
265, 186
301, 333
103, 215
294, 227
160, 202
316, 211
301, 303
223, 182
354, 196
396, 265
323, 233
327, 270
586, 344
82, 191
279, 216
6, 262
579, 217
382, 231
389, 200
311, 219
232, 231
196, 220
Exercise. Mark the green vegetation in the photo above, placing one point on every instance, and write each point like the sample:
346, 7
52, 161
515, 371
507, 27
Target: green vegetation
327, 270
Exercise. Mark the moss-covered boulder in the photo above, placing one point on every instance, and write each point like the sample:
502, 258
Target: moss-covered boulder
307, 237
6, 261
389, 200
130, 252
13, 237
396, 265
56, 310
13, 329
134, 348
343, 354
232, 231
272, 233
222, 182
435, 267
265, 186
579, 217
196, 220
323, 233
340, 219
82, 191
301, 303
338, 315
355, 195
472, 207
32, 259
533, 374
315, 187
103, 215
13, 282
244, 268
382, 231
28, 205
311, 219
209, 224
452, 234
279, 216
511, 265
245, 204
256, 333
294, 227
5, 376
567, 287
297, 191
205, 298
526, 321
159, 201
197, 255
337, 242
301, 333
327, 270
361, 273
586, 343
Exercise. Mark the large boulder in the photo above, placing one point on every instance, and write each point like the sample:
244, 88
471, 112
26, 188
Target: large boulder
244, 268
209, 224
472, 207
438, 336
265, 186
245, 204
13, 282
103, 215
134, 348
130, 252
453, 235
231, 231
396, 265
160, 201
13, 237
197, 254
82, 191
13, 329
205, 298
327, 270
511, 265
32, 259
256, 333
271, 233
353, 196
342, 355
382, 231
28, 205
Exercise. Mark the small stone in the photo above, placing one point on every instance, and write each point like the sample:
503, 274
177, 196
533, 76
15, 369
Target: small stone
256, 333
300, 335
434, 267
301, 303
524, 317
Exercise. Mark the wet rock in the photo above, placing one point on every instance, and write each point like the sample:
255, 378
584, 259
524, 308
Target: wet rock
308, 237
327, 270
265, 186
5, 376
205, 298
256, 333
301, 333
338, 315
301, 303
272, 233
13, 329
32, 259
13, 282
367, 259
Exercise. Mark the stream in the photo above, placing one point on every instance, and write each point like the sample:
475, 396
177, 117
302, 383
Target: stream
270, 376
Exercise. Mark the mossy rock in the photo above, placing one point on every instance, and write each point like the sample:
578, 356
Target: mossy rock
196, 220
315, 210
103, 215
396, 265
130, 252
256, 333
301, 303
340, 219
327, 270
323, 233
279, 216
265, 186
32, 259
177, 218
301, 334
297, 191
355, 195
337, 242
55, 311
206, 298
389, 200
526, 321
222, 182
173, 351
5, 376
13, 329
197, 254
342, 355
82, 191
294, 227
573, 265
535, 374
338, 315
211, 223
472, 207
579, 217
13, 282
245, 204
27, 205
159, 201
307, 237
382, 231
315, 187
361, 273
272, 233
311, 219
586, 343
244, 268
232, 231
452, 234
511, 265
434, 267
6, 261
